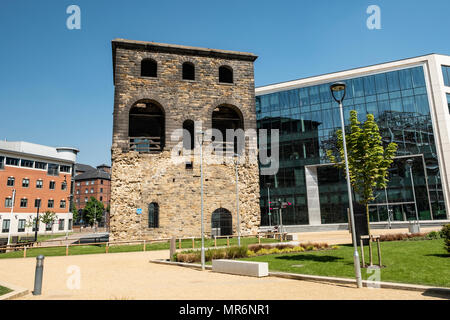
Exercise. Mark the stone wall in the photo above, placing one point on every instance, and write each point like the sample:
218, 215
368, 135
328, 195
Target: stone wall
137, 179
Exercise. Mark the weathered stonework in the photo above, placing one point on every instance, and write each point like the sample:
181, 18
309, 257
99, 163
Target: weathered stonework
138, 179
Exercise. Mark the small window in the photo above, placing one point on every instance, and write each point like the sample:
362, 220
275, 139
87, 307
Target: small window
40, 165
10, 182
12, 161
37, 203
51, 203
8, 202
34, 225
86, 199
69, 227
39, 184
48, 226
26, 163
62, 204
189, 166
101, 181
63, 186
448, 101
21, 226
52, 169
188, 71
5, 225
51, 185
92, 190
78, 191
446, 73
92, 182
225, 74
87, 183
101, 198
153, 215
64, 169
188, 135
2, 162
25, 183
149, 68
61, 224
101, 190
23, 202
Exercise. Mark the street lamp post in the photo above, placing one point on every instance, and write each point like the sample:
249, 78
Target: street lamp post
268, 199
36, 225
10, 220
409, 163
201, 200
236, 157
340, 88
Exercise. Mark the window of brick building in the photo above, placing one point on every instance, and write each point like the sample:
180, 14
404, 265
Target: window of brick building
225, 74
62, 204
8, 202
149, 68
23, 202
39, 184
51, 203
52, 185
25, 182
188, 71
10, 182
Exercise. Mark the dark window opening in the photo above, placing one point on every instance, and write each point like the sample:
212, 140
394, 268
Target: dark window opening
149, 68
225, 74
188, 135
188, 71
189, 165
146, 128
221, 222
153, 215
223, 119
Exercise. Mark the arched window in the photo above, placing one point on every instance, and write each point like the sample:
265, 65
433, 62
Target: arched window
153, 215
223, 118
225, 74
188, 71
221, 222
149, 68
188, 135
146, 127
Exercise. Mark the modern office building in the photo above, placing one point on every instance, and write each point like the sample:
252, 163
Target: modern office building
33, 176
410, 100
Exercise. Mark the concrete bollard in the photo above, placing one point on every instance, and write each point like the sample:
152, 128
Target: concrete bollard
179, 243
25, 252
173, 247
193, 243
38, 275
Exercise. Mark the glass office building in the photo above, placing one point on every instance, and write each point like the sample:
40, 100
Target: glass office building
402, 100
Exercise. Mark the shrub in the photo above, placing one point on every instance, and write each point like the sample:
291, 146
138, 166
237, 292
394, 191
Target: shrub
433, 235
446, 235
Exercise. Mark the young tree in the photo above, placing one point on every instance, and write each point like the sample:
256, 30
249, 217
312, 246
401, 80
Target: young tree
93, 211
368, 160
48, 217
74, 212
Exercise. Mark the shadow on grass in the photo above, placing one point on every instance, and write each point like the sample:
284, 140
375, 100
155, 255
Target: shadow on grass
310, 257
439, 255
437, 293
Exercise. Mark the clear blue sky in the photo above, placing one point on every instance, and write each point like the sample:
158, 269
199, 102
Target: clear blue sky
56, 84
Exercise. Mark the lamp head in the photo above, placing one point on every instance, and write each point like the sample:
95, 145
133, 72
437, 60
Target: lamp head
338, 90
268, 184
409, 162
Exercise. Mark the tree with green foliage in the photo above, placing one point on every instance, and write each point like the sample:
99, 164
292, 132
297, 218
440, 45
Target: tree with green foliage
368, 159
48, 217
93, 211
74, 212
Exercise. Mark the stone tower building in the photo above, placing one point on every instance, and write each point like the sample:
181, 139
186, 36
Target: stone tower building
160, 88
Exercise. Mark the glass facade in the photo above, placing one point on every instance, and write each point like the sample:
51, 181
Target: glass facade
448, 101
446, 74
308, 118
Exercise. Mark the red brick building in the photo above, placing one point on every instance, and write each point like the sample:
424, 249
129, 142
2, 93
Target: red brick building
33, 176
93, 183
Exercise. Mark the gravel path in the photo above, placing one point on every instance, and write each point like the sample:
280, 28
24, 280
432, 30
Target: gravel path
131, 276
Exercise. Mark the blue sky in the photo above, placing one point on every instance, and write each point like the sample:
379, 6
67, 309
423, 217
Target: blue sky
56, 84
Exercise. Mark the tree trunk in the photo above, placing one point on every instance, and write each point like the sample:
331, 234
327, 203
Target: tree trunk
368, 231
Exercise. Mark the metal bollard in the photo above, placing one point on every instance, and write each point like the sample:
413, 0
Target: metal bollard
38, 275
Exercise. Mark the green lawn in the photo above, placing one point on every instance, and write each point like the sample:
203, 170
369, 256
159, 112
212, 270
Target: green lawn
4, 290
422, 262
90, 249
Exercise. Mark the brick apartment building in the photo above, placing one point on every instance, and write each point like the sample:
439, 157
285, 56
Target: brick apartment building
92, 182
33, 176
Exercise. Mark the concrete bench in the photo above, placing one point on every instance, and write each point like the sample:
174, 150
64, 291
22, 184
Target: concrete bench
243, 268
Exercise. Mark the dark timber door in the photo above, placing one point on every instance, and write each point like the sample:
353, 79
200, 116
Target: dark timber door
221, 219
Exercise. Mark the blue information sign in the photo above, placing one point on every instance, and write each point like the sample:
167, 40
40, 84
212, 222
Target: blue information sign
139, 211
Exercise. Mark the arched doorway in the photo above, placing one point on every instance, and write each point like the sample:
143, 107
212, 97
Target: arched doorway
221, 222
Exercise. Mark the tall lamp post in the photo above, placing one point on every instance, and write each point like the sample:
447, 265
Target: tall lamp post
11, 219
338, 91
201, 135
236, 161
36, 225
268, 184
409, 163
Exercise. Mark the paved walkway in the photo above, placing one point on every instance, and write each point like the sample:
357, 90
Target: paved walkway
131, 276
344, 237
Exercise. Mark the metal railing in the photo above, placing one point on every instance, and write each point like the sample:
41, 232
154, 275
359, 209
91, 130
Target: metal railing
145, 144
